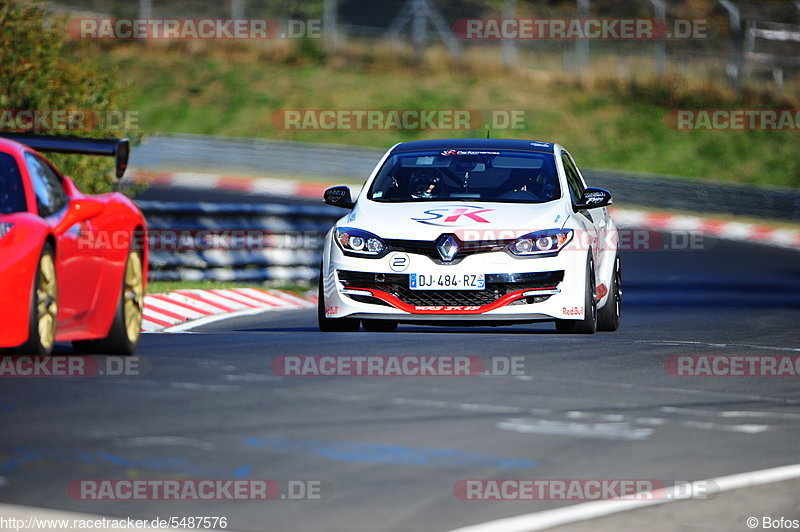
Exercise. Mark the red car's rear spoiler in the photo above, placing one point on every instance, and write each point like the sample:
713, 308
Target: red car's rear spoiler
117, 148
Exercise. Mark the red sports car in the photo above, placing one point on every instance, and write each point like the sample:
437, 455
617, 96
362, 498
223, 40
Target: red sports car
72, 267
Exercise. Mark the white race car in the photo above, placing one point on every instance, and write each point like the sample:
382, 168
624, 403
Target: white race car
472, 232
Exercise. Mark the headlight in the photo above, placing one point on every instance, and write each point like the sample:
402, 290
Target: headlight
359, 242
5, 227
541, 242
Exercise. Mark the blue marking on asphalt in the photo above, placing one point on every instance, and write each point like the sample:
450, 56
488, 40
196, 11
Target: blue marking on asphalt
22, 457
242, 471
9, 408
11, 464
379, 453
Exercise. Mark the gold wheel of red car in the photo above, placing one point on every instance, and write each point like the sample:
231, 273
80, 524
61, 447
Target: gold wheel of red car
133, 292
47, 301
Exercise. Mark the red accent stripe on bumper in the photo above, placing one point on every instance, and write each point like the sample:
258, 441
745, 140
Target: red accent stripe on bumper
441, 309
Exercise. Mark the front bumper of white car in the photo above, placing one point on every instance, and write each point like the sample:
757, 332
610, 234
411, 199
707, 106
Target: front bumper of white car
515, 288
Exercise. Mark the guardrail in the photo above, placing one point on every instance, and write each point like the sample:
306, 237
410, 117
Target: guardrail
283, 242
330, 162
236, 242
698, 196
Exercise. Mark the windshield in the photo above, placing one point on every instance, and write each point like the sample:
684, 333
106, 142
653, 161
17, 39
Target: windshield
500, 176
12, 195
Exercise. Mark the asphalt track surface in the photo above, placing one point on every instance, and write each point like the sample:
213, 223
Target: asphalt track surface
389, 449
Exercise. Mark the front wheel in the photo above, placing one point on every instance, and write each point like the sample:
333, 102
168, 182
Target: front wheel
327, 324
123, 337
588, 325
44, 307
608, 316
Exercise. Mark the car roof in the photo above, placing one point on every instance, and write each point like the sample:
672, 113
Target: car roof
474, 144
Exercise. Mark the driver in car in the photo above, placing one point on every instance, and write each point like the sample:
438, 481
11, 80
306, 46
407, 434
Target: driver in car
424, 185
534, 183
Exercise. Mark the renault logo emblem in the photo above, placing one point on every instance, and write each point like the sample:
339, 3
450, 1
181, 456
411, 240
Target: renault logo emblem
447, 246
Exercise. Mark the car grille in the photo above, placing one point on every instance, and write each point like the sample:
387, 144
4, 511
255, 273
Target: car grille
428, 248
497, 286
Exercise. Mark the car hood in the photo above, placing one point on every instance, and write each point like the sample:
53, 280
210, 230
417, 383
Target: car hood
468, 220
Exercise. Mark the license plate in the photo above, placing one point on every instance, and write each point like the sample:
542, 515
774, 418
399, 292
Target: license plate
447, 281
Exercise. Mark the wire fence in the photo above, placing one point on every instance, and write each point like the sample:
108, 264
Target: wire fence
745, 42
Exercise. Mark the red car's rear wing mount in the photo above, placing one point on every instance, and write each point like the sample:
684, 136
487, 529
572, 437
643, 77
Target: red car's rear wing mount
117, 148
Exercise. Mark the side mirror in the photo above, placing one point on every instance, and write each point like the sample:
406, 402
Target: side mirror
593, 198
79, 210
339, 197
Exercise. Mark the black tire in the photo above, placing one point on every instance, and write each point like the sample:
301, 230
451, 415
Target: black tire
379, 325
36, 344
327, 324
608, 316
123, 337
588, 325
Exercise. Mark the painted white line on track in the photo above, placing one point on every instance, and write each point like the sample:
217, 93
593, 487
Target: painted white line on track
717, 345
729, 413
183, 327
596, 509
601, 431
467, 407
170, 441
200, 387
150, 327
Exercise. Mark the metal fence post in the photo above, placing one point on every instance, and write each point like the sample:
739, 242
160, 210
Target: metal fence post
145, 9
749, 47
330, 24
582, 45
509, 45
660, 46
418, 13
735, 65
237, 8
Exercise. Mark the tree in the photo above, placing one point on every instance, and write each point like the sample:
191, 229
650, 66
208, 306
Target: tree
42, 71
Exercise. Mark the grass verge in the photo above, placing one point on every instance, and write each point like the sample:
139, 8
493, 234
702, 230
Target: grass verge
159, 287
623, 125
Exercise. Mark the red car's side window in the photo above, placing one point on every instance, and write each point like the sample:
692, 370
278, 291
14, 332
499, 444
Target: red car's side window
12, 193
50, 194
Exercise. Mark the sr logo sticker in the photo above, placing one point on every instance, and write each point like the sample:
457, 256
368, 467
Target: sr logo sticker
454, 216
399, 262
